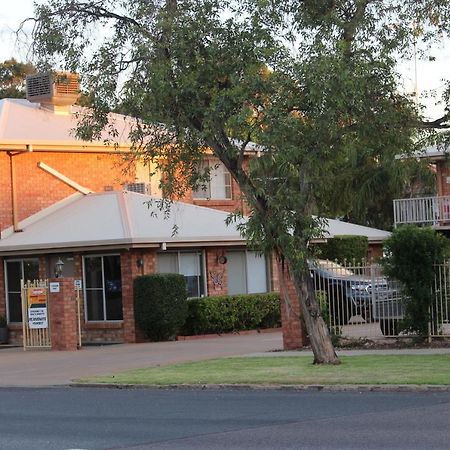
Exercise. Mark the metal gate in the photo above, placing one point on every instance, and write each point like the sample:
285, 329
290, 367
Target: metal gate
35, 314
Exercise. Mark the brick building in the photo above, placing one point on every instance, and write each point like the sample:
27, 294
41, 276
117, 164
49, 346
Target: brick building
63, 199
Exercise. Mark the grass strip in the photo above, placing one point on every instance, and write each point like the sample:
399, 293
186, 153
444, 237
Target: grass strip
367, 369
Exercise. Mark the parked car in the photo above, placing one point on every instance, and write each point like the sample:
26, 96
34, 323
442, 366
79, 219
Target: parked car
350, 294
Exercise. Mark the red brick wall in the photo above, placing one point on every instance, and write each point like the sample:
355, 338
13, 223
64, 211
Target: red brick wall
63, 315
37, 189
293, 329
216, 273
442, 172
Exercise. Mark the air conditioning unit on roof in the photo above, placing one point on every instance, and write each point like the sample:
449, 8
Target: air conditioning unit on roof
57, 89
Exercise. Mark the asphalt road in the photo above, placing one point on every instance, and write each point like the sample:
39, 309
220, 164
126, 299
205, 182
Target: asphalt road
96, 418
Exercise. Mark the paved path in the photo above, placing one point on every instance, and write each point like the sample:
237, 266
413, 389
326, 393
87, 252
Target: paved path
47, 368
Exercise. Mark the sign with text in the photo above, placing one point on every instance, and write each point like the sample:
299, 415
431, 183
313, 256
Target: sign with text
37, 318
37, 308
54, 287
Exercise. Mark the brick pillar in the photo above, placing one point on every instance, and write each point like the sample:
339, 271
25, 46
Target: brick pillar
63, 315
216, 273
130, 270
293, 328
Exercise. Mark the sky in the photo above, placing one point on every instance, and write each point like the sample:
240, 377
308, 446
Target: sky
429, 73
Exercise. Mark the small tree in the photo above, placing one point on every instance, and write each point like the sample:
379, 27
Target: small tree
160, 305
411, 255
346, 248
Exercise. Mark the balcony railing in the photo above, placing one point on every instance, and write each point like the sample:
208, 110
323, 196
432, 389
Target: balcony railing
433, 211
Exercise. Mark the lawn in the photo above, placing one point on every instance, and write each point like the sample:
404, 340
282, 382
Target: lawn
367, 369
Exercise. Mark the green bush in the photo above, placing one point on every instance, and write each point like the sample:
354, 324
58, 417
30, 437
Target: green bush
160, 305
228, 313
411, 255
3, 323
345, 248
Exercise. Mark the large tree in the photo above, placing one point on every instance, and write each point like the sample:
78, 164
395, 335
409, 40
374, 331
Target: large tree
12, 78
313, 82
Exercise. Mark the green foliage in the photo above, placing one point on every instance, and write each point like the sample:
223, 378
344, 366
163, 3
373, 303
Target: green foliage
160, 305
228, 313
411, 255
3, 322
345, 248
12, 78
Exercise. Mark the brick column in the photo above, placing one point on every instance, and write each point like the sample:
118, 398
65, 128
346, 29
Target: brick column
63, 315
130, 270
216, 273
293, 328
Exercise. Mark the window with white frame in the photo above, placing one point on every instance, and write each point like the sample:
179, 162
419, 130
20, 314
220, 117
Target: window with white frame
16, 270
247, 272
103, 287
219, 184
189, 264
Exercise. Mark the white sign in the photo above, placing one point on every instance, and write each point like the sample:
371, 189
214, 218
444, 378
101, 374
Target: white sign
77, 284
37, 318
54, 287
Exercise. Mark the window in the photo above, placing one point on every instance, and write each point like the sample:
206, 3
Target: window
15, 270
219, 184
189, 264
103, 287
247, 272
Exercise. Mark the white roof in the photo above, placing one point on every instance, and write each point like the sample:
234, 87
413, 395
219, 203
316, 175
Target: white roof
23, 122
128, 219
339, 228
119, 219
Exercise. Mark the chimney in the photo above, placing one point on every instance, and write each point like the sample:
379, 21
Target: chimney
56, 92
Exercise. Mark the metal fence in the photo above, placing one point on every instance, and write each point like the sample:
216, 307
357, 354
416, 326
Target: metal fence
359, 301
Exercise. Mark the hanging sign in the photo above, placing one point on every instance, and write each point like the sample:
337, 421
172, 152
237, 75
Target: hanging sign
37, 308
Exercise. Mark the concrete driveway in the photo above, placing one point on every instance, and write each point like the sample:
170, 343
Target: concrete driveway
48, 368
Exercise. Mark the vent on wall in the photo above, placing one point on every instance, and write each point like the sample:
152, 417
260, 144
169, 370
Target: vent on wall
53, 89
140, 188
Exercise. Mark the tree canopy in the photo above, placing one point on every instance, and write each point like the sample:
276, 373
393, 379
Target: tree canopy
12, 78
315, 83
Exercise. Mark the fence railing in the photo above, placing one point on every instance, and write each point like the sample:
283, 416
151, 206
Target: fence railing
423, 210
359, 301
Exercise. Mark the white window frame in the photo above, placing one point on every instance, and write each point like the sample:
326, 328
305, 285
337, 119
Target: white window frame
5, 272
85, 289
217, 171
201, 253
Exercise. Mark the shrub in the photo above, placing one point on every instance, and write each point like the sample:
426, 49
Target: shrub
228, 313
345, 248
3, 322
411, 254
160, 305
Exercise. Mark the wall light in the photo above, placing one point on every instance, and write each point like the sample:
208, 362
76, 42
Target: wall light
59, 268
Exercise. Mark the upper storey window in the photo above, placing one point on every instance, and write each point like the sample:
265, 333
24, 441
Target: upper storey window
219, 184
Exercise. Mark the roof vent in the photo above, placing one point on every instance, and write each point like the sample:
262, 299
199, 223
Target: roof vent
54, 91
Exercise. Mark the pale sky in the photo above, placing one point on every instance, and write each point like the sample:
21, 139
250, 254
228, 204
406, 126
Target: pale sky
429, 73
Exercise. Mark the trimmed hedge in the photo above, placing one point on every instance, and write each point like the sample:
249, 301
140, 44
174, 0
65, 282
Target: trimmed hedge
228, 313
345, 248
160, 305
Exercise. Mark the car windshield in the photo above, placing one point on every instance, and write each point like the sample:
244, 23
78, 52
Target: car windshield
334, 268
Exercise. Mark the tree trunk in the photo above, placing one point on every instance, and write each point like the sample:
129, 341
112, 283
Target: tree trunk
316, 328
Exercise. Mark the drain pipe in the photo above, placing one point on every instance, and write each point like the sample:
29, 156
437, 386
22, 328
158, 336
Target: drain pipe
12, 174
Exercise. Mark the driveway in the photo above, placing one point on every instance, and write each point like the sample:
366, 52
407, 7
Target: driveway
48, 368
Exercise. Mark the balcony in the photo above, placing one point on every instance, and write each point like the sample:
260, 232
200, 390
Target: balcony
431, 211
